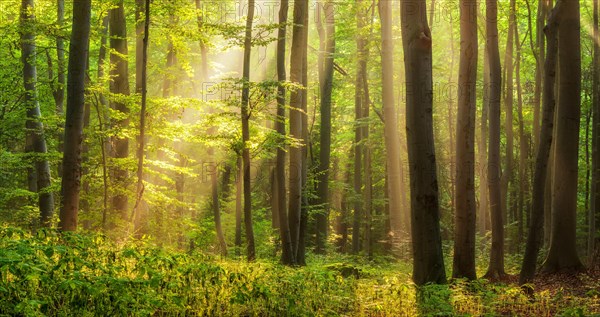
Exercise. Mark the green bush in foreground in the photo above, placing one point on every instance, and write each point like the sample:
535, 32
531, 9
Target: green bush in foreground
86, 275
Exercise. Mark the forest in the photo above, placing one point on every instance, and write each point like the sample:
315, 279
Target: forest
299, 158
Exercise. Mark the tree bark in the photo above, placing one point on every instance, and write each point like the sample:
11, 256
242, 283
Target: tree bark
594, 212
563, 249
507, 176
78, 51
287, 253
464, 215
427, 244
35, 129
250, 252
119, 85
296, 127
326, 83
496, 265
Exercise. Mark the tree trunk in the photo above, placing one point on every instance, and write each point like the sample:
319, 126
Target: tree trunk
484, 205
539, 68
594, 212
251, 253
35, 130
238, 204
427, 243
464, 215
78, 51
523, 148
536, 225
392, 142
563, 249
326, 83
496, 265
287, 253
59, 89
119, 85
295, 118
508, 123
143, 89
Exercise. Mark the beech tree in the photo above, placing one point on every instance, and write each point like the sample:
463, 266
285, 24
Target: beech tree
78, 53
428, 260
464, 215
39, 176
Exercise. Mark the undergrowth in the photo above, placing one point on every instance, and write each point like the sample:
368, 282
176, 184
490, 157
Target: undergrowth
88, 275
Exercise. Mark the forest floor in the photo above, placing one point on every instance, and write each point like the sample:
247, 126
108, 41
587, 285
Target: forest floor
87, 275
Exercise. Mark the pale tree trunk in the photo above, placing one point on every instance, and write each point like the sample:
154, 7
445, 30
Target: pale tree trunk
563, 247
58, 90
296, 127
392, 140
359, 134
250, 252
464, 215
326, 85
119, 85
536, 224
39, 180
428, 258
78, 51
496, 265
238, 204
523, 148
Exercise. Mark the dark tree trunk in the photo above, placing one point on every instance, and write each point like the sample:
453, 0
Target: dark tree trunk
238, 204
464, 215
250, 252
143, 89
78, 53
427, 243
507, 176
287, 254
59, 89
563, 249
594, 212
119, 85
496, 265
39, 177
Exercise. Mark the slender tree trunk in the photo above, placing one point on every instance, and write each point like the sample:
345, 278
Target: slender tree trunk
35, 129
296, 131
136, 216
508, 123
78, 51
119, 85
539, 68
59, 90
594, 212
251, 253
523, 148
287, 254
392, 142
536, 225
326, 85
496, 265
563, 249
359, 129
238, 204
427, 243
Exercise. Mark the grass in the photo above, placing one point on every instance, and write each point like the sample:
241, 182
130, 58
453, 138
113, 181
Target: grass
87, 275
